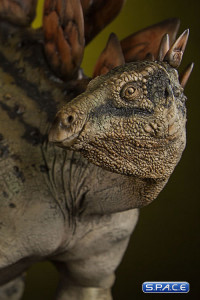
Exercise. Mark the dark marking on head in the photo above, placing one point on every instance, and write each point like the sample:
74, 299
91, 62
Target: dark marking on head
12, 205
18, 173
109, 108
157, 85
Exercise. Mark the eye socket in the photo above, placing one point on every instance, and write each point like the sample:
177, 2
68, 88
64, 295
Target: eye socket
129, 92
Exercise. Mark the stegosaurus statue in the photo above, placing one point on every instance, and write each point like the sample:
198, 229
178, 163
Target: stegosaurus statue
123, 134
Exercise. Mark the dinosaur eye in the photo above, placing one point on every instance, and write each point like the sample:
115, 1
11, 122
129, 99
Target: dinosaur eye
129, 92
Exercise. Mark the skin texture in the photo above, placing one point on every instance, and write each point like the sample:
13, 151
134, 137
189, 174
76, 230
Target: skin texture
77, 206
130, 121
55, 204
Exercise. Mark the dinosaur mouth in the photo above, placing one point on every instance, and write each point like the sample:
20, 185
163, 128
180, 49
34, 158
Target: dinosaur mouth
67, 142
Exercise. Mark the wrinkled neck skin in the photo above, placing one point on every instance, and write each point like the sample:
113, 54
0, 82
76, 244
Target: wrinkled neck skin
87, 190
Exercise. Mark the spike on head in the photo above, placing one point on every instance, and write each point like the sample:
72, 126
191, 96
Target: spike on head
175, 53
164, 47
186, 75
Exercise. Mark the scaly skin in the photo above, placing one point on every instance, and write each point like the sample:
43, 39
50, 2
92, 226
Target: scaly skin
124, 135
55, 204
130, 121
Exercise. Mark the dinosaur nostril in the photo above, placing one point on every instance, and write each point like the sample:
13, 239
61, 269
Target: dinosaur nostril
67, 120
70, 119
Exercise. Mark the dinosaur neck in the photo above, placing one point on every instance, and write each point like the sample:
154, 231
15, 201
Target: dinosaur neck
115, 193
86, 189
30, 106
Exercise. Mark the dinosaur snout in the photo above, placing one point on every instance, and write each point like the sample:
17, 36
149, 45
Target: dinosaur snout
66, 120
66, 127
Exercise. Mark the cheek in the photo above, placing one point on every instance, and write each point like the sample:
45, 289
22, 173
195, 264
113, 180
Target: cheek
130, 128
94, 130
102, 126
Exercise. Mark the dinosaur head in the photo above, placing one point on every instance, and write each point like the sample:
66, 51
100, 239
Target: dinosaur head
130, 120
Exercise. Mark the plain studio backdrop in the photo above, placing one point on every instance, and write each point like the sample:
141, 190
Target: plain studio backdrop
165, 243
